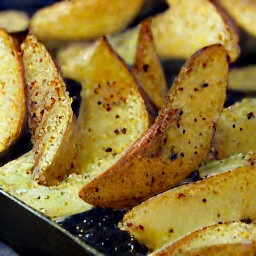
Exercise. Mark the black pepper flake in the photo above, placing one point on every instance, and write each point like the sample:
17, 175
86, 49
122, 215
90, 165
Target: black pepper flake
99, 102
204, 85
171, 230
234, 126
204, 200
250, 115
124, 131
173, 156
241, 129
145, 67
182, 154
117, 116
108, 150
196, 89
195, 120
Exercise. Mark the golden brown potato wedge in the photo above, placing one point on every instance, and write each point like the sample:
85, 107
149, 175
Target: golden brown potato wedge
221, 198
12, 92
83, 19
227, 233
51, 119
55, 201
147, 67
178, 31
14, 21
243, 79
112, 114
243, 12
176, 143
235, 129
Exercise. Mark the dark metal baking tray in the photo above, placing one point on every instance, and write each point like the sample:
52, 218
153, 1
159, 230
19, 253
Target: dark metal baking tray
29, 232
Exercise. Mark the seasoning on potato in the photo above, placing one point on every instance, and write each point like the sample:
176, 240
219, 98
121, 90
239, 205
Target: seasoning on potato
12, 92
176, 143
51, 119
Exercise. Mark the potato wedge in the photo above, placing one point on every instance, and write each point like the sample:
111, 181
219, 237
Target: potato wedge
56, 202
227, 233
147, 68
221, 198
112, 114
227, 164
12, 92
224, 250
179, 31
176, 143
235, 129
243, 79
51, 119
243, 12
14, 21
83, 19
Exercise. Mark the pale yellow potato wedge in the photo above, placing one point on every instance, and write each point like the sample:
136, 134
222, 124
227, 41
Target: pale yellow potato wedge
227, 233
227, 164
224, 250
113, 113
14, 21
51, 119
170, 216
183, 29
56, 202
243, 12
12, 92
235, 129
148, 68
83, 19
243, 79
176, 143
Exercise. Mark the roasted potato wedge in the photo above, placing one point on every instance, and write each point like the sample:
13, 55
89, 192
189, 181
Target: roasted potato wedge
176, 143
220, 198
227, 164
235, 129
14, 21
112, 114
223, 250
56, 202
147, 67
12, 92
243, 12
179, 31
51, 119
227, 233
243, 79
83, 19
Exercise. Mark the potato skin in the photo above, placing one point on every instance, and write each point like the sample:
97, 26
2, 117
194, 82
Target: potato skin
175, 144
83, 19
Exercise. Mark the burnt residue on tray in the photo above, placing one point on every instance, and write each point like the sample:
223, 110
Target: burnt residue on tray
98, 227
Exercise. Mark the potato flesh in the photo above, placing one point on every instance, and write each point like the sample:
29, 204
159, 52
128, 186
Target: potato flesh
83, 19
221, 198
147, 67
51, 119
226, 233
113, 113
12, 92
180, 37
175, 144
56, 202
243, 12
235, 129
